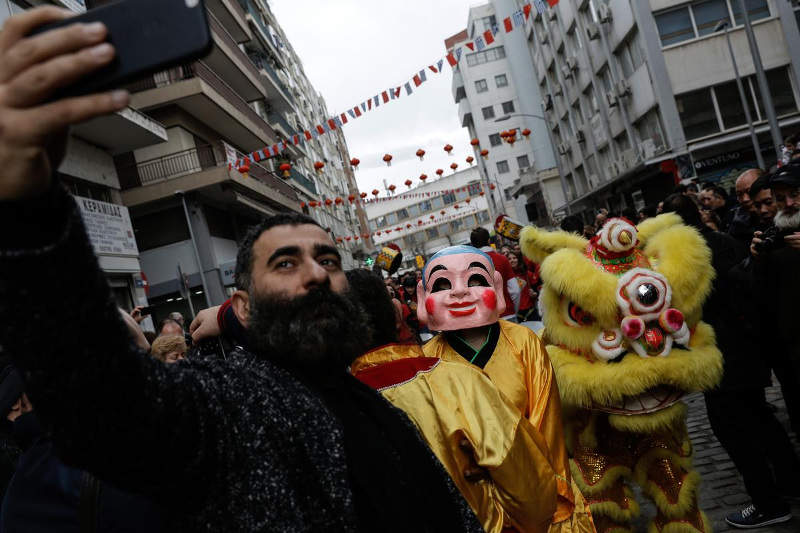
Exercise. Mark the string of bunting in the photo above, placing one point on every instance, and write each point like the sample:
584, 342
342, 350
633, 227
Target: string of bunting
516, 20
408, 227
336, 202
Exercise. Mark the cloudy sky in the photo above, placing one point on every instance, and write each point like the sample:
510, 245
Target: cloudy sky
354, 49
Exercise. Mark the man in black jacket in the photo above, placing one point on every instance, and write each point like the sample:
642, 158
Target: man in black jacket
280, 440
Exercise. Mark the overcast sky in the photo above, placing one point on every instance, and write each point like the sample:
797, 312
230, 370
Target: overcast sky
354, 49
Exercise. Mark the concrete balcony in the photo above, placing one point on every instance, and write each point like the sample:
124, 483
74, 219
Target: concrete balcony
231, 64
205, 170
232, 17
278, 93
201, 93
459, 93
465, 113
131, 130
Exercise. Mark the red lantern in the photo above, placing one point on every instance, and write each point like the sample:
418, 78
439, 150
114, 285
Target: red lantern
313, 204
339, 240
470, 159
505, 134
454, 166
355, 238
318, 166
365, 236
388, 159
399, 228
355, 162
375, 192
456, 206
423, 177
419, 222
492, 186
432, 217
351, 198
338, 201
448, 148
482, 193
380, 233
408, 226
388, 231
485, 154
328, 202
285, 168
442, 212
408, 183
244, 168
468, 200
302, 205
348, 238
526, 132
439, 172
511, 139
363, 195
392, 188
475, 142
421, 154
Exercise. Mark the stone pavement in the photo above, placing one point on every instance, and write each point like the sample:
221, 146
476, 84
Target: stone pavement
722, 491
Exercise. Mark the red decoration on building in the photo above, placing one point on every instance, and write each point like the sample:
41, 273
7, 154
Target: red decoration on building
504, 134
432, 217
409, 183
421, 154
302, 205
423, 177
419, 222
439, 172
442, 212
313, 204
375, 192
355, 162
511, 139
392, 188
456, 206
318, 166
363, 195
338, 201
355, 238
244, 168
388, 159
526, 132
351, 198
408, 226
328, 202
475, 142
454, 166
348, 239
285, 168
492, 186
482, 193
399, 228
470, 160
339, 240
468, 200
380, 233
449, 149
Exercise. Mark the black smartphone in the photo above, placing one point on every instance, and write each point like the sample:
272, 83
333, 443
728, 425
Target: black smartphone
146, 311
148, 35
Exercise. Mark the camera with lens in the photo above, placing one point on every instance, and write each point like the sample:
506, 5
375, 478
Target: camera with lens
771, 239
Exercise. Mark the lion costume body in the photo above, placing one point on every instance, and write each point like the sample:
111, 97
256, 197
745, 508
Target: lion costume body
623, 330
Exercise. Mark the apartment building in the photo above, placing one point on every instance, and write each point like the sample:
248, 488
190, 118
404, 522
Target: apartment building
498, 82
89, 173
636, 91
431, 216
190, 207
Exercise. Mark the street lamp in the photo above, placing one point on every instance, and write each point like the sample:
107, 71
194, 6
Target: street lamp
561, 176
723, 25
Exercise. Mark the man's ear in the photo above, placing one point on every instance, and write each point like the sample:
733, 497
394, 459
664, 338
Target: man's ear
422, 312
240, 302
499, 285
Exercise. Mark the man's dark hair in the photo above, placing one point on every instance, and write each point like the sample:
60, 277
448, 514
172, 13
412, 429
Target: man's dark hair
165, 322
368, 291
649, 211
245, 256
479, 237
572, 224
718, 190
680, 189
684, 207
692, 187
791, 139
759, 185
629, 213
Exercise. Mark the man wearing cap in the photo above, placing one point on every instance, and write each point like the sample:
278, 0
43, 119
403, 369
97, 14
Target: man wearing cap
459, 295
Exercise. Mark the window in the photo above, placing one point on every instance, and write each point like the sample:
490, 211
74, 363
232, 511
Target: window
410, 240
448, 198
86, 190
508, 108
697, 114
413, 210
488, 112
649, 127
462, 195
501, 80
700, 18
380, 222
402, 214
489, 22
391, 218
502, 167
523, 162
482, 217
486, 56
437, 202
495, 140
481, 86
425, 206
474, 189
432, 233
456, 225
630, 55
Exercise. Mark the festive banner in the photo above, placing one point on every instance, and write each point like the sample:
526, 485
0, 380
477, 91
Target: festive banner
517, 20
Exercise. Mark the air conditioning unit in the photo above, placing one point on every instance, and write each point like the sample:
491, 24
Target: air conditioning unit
647, 148
547, 104
563, 148
623, 88
613, 170
580, 136
611, 98
566, 72
593, 31
572, 63
593, 181
557, 89
629, 157
603, 13
543, 37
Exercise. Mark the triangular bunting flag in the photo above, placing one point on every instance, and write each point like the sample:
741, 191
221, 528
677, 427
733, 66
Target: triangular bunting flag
471, 46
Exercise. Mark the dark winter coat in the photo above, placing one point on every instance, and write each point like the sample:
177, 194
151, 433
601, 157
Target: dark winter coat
240, 445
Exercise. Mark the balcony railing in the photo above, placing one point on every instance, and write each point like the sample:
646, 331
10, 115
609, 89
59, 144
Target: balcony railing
191, 161
278, 118
303, 181
225, 36
260, 61
200, 70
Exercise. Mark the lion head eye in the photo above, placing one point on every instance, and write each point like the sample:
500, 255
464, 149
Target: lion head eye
647, 294
578, 315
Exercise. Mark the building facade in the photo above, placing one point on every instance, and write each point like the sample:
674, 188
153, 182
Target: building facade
641, 94
495, 83
431, 216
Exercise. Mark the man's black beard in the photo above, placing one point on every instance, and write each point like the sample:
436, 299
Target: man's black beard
321, 331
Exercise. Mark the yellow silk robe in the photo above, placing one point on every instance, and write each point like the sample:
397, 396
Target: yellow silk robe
449, 402
521, 369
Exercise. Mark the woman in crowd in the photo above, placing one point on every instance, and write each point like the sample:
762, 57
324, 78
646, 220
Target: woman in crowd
169, 348
528, 282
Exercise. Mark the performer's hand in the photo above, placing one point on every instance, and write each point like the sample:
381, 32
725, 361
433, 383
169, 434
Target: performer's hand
473, 473
33, 131
205, 325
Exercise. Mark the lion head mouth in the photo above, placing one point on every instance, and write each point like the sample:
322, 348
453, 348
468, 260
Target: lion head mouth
651, 400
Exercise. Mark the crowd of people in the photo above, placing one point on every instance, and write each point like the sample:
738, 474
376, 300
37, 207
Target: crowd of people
331, 400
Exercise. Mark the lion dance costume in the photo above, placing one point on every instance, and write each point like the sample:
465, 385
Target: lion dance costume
623, 330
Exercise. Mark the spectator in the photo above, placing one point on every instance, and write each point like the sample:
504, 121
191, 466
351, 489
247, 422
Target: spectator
744, 216
177, 317
588, 231
283, 439
505, 249
693, 192
629, 214
764, 205
737, 409
648, 211
715, 198
480, 240
572, 224
410, 301
169, 348
528, 282
789, 146
169, 326
600, 219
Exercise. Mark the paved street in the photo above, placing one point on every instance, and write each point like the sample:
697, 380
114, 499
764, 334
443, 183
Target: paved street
722, 488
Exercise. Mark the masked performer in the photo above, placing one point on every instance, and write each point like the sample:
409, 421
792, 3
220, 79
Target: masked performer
458, 296
623, 329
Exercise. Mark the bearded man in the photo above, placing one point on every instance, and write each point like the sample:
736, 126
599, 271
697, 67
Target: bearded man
283, 439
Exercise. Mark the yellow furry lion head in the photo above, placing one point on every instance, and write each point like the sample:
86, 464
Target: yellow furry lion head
622, 314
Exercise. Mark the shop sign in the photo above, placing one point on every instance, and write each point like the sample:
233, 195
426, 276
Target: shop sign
109, 227
228, 270
718, 161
